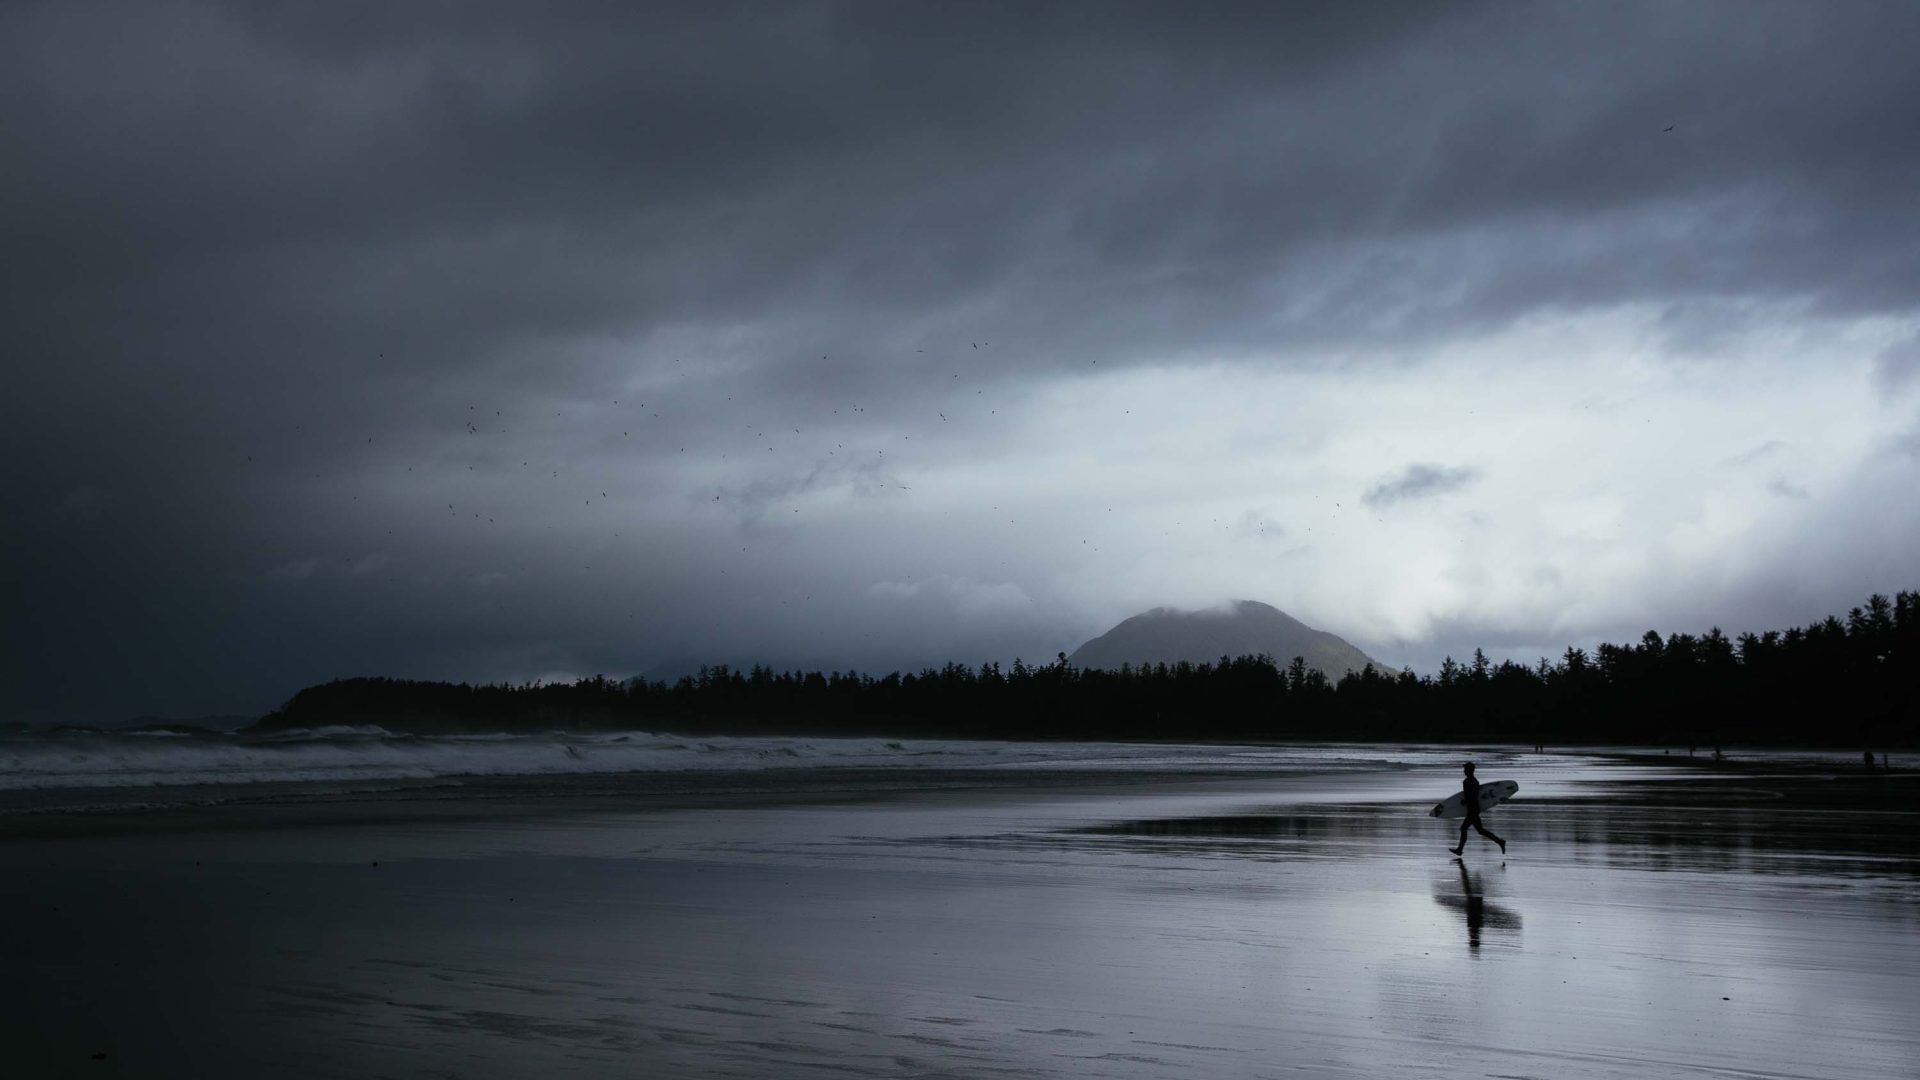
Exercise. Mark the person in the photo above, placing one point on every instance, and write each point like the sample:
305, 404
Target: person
1470, 793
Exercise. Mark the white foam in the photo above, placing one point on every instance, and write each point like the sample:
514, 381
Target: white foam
362, 753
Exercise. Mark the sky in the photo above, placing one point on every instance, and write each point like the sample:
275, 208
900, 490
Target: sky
506, 342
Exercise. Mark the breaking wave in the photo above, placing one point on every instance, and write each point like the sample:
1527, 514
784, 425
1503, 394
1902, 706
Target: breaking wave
99, 759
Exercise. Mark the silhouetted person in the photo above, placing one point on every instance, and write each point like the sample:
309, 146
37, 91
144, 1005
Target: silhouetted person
1868, 758
1470, 793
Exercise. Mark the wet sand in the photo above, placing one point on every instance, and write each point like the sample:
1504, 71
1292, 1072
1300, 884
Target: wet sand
1648, 920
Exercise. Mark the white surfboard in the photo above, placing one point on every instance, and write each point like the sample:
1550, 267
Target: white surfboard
1491, 795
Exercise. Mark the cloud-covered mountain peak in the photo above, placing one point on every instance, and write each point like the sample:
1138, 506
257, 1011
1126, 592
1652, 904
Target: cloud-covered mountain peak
1239, 628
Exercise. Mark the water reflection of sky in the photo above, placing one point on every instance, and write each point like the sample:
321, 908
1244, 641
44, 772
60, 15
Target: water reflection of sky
1644, 922
1817, 825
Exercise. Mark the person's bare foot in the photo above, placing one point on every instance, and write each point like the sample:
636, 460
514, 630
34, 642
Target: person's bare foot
1455, 850
1503, 846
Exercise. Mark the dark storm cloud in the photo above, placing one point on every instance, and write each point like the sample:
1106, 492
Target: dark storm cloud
1419, 482
762, 500
1108, 177
265, 264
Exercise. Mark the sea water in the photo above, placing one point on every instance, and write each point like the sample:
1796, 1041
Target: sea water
68, 759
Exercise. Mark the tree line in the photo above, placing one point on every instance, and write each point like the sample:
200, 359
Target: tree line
1839, 682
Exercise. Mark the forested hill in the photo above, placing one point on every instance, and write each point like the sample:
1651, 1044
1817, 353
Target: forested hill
1851, 682
1242, 628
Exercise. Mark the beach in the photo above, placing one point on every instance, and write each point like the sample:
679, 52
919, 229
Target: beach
1650, 918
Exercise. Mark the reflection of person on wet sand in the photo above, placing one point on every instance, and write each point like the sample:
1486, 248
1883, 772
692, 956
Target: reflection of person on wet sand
1470, 791
1476, 906
1471, 902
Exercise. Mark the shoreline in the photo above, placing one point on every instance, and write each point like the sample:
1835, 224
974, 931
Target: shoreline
453, 799
101, 811
803, 923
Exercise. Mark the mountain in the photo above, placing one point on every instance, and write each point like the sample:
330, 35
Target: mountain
1167, 635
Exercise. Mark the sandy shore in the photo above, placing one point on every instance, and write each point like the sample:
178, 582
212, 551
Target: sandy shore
1647, 921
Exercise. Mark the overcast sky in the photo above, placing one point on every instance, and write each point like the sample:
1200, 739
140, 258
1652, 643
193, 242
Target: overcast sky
512, 341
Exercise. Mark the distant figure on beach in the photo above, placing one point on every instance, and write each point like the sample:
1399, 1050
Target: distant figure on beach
1868, 758
1470, 792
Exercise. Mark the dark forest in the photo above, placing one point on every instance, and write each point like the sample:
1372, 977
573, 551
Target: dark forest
1852, 682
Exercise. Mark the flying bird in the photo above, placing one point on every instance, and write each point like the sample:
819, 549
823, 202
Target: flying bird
1669, 127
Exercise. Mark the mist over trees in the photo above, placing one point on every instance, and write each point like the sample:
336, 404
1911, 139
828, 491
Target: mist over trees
1839, 682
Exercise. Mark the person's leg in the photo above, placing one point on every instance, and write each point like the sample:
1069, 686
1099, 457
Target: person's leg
1482, 829
1462, 845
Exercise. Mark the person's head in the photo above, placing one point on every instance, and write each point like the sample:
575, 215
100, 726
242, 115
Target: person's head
1468, 767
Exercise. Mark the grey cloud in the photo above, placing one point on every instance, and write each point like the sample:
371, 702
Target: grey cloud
485, 175
1897, 368
1786, 489
234, 260
294, 570
85, 501
1260, 525
1757, 453
1419, 482
756, 500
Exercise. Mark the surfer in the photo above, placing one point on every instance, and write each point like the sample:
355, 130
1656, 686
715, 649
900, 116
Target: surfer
1470, 794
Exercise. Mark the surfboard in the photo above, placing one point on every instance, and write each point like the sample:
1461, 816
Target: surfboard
1491, 795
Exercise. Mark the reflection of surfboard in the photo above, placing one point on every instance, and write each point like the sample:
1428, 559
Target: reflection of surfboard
1491, 795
